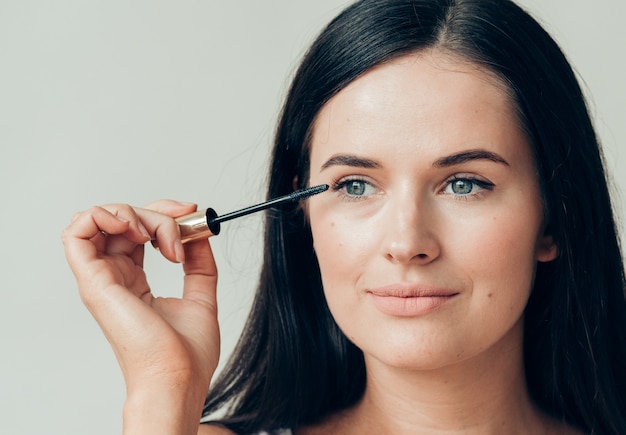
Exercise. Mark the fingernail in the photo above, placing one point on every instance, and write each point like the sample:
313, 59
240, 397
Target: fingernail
144, 231
179, 251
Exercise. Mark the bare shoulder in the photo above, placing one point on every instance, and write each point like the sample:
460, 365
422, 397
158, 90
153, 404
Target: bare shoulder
214, 429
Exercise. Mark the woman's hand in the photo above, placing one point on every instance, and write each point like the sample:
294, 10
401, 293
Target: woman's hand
167, 348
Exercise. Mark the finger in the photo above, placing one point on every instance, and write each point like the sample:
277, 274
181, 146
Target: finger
121, 243
200, 273
85, 227
137, 255
164, 233
137, 232
99, 241
172, 208
146, 224
89, 223
164, 240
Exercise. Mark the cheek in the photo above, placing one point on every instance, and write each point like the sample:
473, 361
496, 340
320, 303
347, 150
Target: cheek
501, 258
342, 249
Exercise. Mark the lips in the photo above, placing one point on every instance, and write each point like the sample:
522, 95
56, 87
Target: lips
409, 300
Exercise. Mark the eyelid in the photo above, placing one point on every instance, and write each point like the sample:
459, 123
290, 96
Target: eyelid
340, 183
482, 183
468, 176
336, 182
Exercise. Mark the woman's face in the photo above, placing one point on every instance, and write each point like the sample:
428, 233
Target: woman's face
428, 239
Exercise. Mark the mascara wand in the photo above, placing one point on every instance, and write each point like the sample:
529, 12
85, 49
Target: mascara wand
206, 223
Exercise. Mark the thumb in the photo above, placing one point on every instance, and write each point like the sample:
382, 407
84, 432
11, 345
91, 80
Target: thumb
200, 273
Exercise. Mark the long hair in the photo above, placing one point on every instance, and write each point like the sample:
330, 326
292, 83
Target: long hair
293, 366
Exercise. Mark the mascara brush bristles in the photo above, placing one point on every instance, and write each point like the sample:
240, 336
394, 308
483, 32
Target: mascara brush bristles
305, 193
298, 195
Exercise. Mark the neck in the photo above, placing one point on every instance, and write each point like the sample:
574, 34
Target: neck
483, 394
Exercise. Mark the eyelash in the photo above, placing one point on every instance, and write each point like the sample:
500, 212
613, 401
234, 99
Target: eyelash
339, 184
482, 184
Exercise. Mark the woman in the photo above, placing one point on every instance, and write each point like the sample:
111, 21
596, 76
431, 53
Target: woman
463, 274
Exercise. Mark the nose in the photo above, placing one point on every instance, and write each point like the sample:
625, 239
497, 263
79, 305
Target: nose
410, 233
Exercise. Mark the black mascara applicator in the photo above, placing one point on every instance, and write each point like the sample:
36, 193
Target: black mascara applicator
206, 223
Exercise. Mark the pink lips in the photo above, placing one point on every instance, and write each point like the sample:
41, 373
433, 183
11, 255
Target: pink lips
402, 300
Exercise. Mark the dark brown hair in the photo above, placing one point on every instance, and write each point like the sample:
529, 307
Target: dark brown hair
294, 366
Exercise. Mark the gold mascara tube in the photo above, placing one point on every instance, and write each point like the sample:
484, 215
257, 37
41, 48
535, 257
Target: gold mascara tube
206, 223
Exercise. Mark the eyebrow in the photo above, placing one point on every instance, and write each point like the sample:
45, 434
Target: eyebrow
351, 160
467, 156
444, 162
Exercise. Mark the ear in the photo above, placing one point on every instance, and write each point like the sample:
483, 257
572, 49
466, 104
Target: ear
546, 249
295, 183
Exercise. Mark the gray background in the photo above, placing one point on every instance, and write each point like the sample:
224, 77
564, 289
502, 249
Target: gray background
131, 101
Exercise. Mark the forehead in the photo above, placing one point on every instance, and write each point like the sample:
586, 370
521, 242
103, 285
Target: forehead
426, 101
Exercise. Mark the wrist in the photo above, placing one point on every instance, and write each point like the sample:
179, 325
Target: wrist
163, 409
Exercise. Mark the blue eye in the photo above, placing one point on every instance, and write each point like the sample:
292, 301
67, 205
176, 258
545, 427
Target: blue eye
462, 187
354, 188
466, 186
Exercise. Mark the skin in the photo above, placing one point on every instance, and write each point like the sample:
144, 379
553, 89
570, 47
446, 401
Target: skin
391, 146
449, 364
167, 348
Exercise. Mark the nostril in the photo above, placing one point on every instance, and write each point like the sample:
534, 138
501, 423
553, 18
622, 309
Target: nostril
420, 246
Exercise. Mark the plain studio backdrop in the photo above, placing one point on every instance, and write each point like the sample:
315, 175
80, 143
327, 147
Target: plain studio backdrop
132, 101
